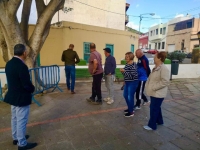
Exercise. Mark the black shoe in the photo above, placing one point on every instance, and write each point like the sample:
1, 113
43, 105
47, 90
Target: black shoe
90, 99
16, 141
98, 102
126, 111
129, 114
28, 146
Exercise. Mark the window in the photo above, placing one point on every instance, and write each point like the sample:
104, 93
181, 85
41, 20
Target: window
111, 46
132, 48
86, 48
160, 30
155, 45
189, 24
164, 30
184, 25
156, 31
158, 45
149, 46
151, 33
163, 45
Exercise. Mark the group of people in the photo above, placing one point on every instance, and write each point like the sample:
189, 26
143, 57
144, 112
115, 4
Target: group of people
20, 88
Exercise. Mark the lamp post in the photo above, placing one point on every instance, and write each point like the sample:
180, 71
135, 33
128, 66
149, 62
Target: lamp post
198, 35
152, 14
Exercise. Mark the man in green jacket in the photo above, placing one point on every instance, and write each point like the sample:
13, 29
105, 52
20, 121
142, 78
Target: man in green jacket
70, 57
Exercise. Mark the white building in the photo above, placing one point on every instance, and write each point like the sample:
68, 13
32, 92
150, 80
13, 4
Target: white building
95, 12
157, 37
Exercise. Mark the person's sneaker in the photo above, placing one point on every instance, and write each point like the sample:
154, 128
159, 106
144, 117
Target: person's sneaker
137, 107
106, 99
144, 103
110, 101
147, 128
129, 114
90, 99
126, 111
28, 146
16, 141
98, 102
72, 92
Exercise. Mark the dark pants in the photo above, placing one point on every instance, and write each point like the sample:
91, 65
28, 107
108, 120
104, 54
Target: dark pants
96, 86
155, 112
140, 93
70, 74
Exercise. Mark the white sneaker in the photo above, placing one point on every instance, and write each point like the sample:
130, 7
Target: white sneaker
147, 128
106, 99
144, 103
110, 101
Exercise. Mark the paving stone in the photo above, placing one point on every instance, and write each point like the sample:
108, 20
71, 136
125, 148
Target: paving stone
166, 146
65, 145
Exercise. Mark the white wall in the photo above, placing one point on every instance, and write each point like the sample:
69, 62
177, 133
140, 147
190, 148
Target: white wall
85, 14
185, 71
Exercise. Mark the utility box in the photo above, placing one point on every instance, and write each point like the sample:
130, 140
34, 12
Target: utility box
174, 67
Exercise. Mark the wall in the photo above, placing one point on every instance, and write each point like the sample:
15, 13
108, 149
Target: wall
60, 38
92, 16
143, 41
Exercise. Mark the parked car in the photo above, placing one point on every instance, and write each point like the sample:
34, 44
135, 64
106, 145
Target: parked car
189, 55
145, 50
152, 51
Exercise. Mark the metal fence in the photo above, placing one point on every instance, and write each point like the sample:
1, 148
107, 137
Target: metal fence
43, 78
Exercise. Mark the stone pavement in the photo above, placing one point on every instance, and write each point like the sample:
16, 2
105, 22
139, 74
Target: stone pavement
69, 122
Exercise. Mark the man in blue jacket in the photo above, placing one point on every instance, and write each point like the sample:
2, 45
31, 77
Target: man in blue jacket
109, 72
19, 96
143, 73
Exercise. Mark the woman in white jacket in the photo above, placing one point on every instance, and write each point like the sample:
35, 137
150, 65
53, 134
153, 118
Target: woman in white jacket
156, 88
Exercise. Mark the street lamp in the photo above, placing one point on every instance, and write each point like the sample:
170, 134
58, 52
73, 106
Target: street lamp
152, 14
198, 35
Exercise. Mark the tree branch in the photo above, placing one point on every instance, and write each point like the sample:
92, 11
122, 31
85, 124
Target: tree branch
3, 45
42, 23
25, 18
13, 6
40, 7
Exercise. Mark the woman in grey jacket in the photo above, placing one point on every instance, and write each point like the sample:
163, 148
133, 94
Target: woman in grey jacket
156, 88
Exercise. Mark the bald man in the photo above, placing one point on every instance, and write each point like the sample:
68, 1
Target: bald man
143, 74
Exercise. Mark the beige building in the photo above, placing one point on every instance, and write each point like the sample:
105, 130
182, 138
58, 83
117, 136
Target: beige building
182, 35
102, 13
81, 35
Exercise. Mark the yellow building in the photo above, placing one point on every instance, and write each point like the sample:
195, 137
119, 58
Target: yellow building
182, 35
64, 33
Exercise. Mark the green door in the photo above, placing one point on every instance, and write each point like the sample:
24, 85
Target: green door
86, 51
111, 46
132, 48
38, 60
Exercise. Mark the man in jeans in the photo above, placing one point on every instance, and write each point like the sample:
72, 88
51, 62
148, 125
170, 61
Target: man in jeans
19, 96
70, 57
96, 70
143, 74
109, 72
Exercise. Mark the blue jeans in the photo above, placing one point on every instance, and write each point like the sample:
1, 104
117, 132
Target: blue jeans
155, 112
70, 74
129, 91
18, 121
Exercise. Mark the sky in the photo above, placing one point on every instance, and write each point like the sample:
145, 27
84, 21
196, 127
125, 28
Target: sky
163, 10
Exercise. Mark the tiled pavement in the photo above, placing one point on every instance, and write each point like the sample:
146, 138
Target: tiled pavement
69, 122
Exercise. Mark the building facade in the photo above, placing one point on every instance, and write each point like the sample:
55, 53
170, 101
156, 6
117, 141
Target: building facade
182, 35
102, 13
157, 37
143, 40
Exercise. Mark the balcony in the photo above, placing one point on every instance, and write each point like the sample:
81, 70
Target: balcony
126, 19
127, 6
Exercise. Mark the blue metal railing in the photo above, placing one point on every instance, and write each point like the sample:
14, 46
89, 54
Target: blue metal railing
43, 78
1, 91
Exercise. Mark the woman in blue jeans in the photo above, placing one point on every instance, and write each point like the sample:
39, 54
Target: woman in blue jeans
131, 82
156, 88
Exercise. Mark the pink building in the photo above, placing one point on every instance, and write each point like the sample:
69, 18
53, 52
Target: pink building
143, 40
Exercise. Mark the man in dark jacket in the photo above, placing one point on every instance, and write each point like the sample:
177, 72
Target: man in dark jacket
109, 72
70, 57
19, 96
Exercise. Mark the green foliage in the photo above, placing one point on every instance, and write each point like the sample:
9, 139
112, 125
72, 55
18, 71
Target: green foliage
176, 56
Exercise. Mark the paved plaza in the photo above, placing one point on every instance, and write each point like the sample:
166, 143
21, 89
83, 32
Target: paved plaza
68, 122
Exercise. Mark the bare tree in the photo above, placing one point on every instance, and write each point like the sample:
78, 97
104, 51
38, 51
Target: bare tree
12, 32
